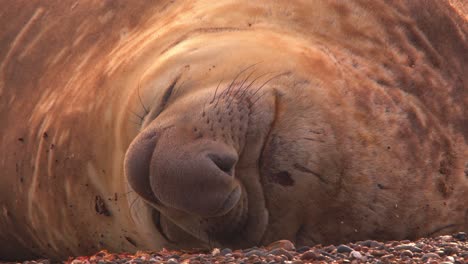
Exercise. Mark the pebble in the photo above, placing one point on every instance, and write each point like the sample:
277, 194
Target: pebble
237, 255
450, 259
410, 247
450, 250
430, 255
371, 244
172, 261
446, 238
226, 251
284, 244
280, 251
303, 249
255, 252
356, 255
343, 249
460, 236
330, 248
293, 262
378, 253
249, 249
310, 255
406, 253
215, 252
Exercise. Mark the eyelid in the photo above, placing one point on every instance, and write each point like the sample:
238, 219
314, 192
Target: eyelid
167, 94
156, 111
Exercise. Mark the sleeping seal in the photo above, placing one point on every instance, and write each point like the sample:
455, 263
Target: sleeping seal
148, 124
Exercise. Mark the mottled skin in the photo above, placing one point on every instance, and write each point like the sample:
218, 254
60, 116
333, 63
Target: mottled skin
150, 124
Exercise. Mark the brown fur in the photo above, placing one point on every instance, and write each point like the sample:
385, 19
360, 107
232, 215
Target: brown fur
362, 134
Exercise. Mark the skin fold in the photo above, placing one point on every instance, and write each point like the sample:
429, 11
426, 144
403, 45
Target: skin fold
179, 124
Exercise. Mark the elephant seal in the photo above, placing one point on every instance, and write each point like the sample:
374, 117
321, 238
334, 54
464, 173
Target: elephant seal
155, 124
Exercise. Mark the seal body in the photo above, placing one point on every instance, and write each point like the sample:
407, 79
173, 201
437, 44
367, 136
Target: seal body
144, 125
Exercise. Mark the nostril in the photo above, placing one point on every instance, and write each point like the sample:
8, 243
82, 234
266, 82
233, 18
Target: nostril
224, 162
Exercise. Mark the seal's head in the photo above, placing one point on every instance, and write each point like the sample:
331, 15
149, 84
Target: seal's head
197, 161
198, 157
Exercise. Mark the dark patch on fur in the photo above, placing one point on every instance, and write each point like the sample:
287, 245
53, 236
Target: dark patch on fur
282, 178
100, 206
131, 241
381, 186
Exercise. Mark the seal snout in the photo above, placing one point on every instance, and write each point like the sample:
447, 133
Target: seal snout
197, 177
224, 161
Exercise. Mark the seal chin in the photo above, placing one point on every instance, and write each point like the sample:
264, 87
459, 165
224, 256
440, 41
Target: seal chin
231, 201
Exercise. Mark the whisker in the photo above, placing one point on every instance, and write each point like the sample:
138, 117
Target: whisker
250, 85
258, 98
239, 88
136, 123
216, 91
139, 97
237, 76
137, 115
267, 81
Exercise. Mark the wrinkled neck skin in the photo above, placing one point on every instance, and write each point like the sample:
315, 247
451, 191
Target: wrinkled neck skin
248, 135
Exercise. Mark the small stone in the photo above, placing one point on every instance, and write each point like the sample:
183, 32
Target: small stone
302, 249
284, 244
281, 251
215, 252
378, 253
406, 253
446, 238
450, 250
330, 248
325, 254
249, 249
172, 261
278, 259
343, 249
450, 259
460, 236
255, 252
297, 262
427, 256
409, 247
310, 255
226, 251
356, 254
370, 244
237, 255
387, 257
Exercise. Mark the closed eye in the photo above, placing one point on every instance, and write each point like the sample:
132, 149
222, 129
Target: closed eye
156, 111
167, 94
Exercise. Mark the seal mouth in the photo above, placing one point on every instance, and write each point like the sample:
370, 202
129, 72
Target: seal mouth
156, 217
230, 202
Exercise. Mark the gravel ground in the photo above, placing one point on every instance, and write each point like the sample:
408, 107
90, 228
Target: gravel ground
443, 249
